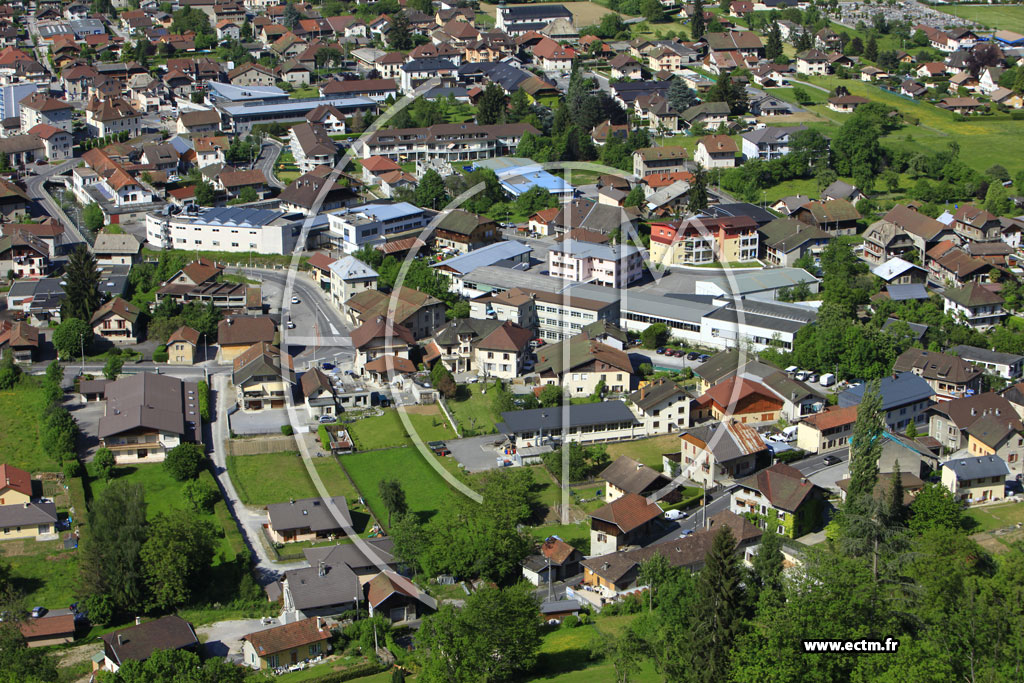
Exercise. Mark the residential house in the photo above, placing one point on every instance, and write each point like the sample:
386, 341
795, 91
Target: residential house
905, 399
627, 521
23, 341
627, 476
826, 431
949, 376
198, 122
420, 313
650, 160
964, 106
974, 305
662, 406
714, 454
463, 231
58, 144
55, 627
1000, 435
347, 277
975, 480
716, 151
846, 104
40, 108
24, 254
784, 241
15, 486
329, 117
615, 266
780, 499
397, 599
974, 224
835, 216
1005, 365
117, 321
768, 142
741, 400
262, 376
307, 520
311, 146
112, 116
896, 271
146, 415
812, 62
286, 645
556, 561
379, 341
711, 115
117, 250
182, 346
551, 56
318, 394
696, 241
624, 66
137, 643
586, 365
237, 334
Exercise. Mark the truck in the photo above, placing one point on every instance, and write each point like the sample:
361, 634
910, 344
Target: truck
827, 380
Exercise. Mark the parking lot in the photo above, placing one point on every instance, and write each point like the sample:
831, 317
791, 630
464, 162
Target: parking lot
477, 453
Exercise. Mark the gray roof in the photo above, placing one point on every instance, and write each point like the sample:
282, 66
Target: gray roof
151, 401
914, 290
580, 415
974, 353
485, 256
29, 514
918, 329
749, 281
559, 606
685, 307
766, 315
117, 244
902, 390
338, 585
309, 513
351, 268
352, 555
772, 133
976, 468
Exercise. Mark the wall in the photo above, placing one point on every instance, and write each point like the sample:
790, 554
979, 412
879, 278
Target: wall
262, 444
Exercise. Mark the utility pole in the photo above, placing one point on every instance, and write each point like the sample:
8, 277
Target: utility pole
81, 340
549, 579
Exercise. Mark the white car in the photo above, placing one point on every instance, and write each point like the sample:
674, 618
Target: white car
675, 514
291, 325
295, 300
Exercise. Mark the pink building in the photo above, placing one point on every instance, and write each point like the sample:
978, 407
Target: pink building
600, 264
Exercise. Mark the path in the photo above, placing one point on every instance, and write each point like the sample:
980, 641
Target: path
35, 186
269, 152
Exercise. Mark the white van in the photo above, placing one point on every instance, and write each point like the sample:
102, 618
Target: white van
827, 380
789, 434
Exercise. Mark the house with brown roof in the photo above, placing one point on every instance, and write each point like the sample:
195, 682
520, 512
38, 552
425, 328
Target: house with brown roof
284, 646
236, 334
846, 104
182, 345
381, 342
780, 499
56, 627
608, 575
198, 122
263, 375
742, 400
24, 254
628, 520
834, 216
716, 151
949, 376
112, 116
117, 321
22, 339
625, 475
975, 224
39, 108
828, 430
964, 106
251, 74
555, 560
714, 454
667, 159
579, 364
974, 305
146, 415
139, 642
663, 406
463, 231
949, 421
15, 485
417, 311
396, 598
999, 435
116, 249
302, 193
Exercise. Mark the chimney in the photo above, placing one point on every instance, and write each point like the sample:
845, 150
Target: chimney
321, 570
643, 392
974, 411
320, 624
119, 643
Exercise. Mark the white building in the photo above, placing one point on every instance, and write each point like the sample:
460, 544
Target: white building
357, 226
233, 228
601, 264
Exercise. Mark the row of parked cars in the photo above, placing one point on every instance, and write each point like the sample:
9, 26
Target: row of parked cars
676, 353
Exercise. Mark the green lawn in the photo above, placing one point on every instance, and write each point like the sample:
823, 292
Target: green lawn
270, 478
474, 410
646, 451
305, 92
387, 430
576, 535
285, 168
42, 570
565, 654
1006, 17
425, 490
995, 516
20, 411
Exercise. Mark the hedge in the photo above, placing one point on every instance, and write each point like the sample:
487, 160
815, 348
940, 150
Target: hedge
360, 671
160, 354
204, 400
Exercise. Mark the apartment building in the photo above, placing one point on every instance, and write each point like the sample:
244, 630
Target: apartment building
231, 228
448, 142
311, 146
615, 266
697, 241
353, 228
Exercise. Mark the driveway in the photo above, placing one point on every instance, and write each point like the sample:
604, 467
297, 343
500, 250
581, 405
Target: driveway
224, 638
88, 417
262, 422
476, 453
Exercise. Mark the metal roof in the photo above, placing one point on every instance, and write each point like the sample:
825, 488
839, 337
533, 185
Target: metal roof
897, 391
975, 353
686, 307
237, 93
485, 256
580, 415
237, 217
977, 468
298, 107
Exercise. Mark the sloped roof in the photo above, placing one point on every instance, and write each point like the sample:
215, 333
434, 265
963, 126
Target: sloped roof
582, 351
139, 642
118, 306
380, 328
629, 512
16, 479
784, 486
185, 334
631, 476
247, 330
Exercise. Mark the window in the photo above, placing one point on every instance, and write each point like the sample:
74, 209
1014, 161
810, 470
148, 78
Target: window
272, 661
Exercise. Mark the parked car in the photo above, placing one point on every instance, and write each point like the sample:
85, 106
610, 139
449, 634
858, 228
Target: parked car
686, 532
439, 448
703, 358
660, 350
812, 377
327, 419
800, 376
675, 514
832, 460
38, 612
290, 325
692, 355
327, 366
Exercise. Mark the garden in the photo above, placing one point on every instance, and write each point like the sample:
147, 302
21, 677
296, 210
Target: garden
388, 431
425, 490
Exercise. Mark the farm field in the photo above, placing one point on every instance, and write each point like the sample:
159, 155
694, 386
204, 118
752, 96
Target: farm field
425, 490
1005, 17
387, 430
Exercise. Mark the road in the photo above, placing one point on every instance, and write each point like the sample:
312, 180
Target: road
36, 187
268, 157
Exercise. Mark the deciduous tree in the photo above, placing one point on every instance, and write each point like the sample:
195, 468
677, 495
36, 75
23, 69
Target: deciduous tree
177, 552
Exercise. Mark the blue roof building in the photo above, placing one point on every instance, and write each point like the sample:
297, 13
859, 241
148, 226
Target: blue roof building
905, 397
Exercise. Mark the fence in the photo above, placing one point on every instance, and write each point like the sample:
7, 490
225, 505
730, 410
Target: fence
261, 444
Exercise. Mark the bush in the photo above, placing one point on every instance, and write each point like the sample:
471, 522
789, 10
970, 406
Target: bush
571, 621
71, 469
201, 495
204, 401
160, 354
287, 430
104, 463
184, 461
325, 438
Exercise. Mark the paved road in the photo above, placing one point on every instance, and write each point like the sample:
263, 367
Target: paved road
265, 161
36, 186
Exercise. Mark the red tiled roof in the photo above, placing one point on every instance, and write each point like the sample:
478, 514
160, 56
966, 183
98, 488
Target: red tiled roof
295, 634
628, 512
15, 478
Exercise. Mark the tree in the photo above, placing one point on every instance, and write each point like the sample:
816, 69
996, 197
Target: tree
773, 48
865, 447
399, 36
519, 103
9, 372
627, 653
802, 96
113, 366
652, 10
697, 27
654, 573
201, 494
997, 200
871, 49
71, 337
719, 591
654, 335
767, 570
431, 193
491, 108
177, 553
82, 285
933, 507
184, 461
393, 496
104, 463
205, 195
109, 562
681, 96
635, 197
551, 395
92, 216
495, 637
698, 191
179, 666
18, 661
291, 16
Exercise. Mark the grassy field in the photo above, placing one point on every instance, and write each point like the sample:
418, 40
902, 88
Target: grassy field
42, 570
270, 478
576, 535
20, 410
425, 490
1006, 17
387, 431
473, 410
565, 653
646, 451
583, 13
995, 516
285, 168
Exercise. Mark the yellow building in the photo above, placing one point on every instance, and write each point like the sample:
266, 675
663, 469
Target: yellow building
15, 486
181, 346
975, 480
